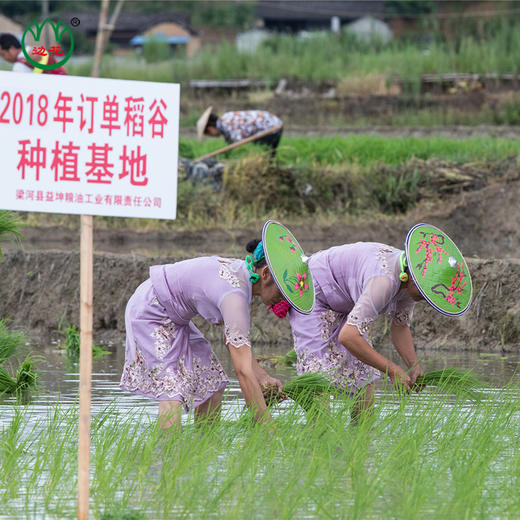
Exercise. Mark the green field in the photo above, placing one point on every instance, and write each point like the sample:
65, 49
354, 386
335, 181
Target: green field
488, 48
424, 456
366, 150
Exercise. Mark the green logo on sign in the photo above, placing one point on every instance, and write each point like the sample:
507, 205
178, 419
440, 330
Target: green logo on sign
60, 30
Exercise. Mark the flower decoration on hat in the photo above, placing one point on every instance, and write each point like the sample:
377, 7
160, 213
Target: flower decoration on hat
300, 285
289, 266
438, 269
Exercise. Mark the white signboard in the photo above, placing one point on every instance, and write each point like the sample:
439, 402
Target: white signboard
88, 146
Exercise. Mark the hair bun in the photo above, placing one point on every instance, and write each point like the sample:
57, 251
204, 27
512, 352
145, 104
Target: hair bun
251, 245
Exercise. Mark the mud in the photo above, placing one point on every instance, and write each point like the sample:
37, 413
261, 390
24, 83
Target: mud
43, 291
307, 107
41, 276
484, 222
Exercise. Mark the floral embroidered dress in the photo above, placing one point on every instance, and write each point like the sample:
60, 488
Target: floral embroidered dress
354, 284
235, 126
167, 357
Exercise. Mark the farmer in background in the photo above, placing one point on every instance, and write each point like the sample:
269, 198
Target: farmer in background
237, 126
168, 359
354, 284
11, 51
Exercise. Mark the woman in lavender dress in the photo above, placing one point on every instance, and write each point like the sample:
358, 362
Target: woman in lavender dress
168, 359
354, 284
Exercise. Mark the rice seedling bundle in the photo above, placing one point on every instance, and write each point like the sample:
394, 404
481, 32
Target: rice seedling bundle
9, 341
302, 389
287, 360
463, 383
26, 376
7, 383
25, 379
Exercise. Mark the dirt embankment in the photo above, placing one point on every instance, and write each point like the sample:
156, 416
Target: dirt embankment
328, 105
483, 222
43, 288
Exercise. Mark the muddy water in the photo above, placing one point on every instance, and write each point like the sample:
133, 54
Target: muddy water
60, 379
59, 383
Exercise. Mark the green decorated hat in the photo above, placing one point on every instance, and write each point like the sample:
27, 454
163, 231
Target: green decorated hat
438, 269
289, 266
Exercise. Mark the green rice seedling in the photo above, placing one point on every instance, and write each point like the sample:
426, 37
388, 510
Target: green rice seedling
287, 360
304, 390
13, 445
364, 150
463, 383
72, 344
7, 383
9, 224
425, 456
123, 515
26, 376
290, 358
9, 341
25, 379
98, 351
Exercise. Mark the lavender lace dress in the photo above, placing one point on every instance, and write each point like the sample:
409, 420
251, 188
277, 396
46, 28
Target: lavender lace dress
167, 357
354, 284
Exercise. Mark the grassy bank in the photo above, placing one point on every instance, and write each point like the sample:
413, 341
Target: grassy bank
323, 179
325, 56
425, 456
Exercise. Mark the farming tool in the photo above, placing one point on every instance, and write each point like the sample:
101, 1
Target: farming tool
250, 139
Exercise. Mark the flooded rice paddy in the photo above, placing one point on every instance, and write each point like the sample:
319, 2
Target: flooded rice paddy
427, 456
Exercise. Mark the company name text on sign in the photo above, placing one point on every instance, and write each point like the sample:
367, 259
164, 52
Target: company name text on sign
89, 146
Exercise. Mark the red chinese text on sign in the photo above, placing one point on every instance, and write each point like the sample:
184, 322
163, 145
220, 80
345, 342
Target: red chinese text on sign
114, 141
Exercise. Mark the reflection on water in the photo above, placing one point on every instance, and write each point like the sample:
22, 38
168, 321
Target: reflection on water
60, 379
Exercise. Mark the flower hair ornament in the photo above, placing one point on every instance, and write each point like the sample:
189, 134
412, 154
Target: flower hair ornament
251, 261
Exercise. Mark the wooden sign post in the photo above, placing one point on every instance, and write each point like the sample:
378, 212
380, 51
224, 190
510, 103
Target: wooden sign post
85, 362
86, 317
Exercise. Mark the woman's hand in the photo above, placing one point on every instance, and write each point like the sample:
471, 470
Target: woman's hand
266, 381
400, 378
415, 372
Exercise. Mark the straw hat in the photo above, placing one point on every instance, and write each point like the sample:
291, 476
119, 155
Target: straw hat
202, 122
438, 269
288, 266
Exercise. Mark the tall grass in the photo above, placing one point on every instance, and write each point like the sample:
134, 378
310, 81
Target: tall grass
326, 56
425, 456
9, 226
